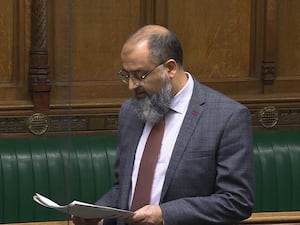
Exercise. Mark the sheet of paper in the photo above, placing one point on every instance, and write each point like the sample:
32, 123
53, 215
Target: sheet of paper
82, 209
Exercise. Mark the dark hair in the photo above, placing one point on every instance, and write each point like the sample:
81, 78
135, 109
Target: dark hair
164, 46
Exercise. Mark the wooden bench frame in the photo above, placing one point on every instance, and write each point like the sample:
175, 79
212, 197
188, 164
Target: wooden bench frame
282, 218
274, 218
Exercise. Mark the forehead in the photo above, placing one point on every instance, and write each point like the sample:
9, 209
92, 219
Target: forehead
135, 56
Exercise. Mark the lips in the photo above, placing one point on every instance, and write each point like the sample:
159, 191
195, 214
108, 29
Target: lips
140, 94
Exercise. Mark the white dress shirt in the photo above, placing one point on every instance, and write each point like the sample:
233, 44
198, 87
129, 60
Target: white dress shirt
173, 122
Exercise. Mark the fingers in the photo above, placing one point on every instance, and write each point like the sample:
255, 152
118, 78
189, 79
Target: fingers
134, 219
149, 214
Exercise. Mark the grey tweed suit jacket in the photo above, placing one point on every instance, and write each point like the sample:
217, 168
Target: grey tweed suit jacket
210, 178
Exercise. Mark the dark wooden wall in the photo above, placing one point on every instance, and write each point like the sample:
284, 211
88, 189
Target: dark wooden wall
59, 58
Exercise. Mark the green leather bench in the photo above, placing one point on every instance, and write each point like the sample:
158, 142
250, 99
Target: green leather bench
62, 168
81, 168
277, 170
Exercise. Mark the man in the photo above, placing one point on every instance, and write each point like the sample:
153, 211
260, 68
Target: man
204, 173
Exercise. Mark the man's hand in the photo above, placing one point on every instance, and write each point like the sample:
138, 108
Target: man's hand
148, 215
81, 221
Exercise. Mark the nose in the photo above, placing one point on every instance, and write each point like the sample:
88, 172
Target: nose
132, 85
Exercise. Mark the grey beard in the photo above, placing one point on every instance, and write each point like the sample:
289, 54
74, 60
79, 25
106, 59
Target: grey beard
152, 108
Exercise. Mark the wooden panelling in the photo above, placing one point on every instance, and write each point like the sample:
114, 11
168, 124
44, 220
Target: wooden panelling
247, 49
210, 32
85, 48
14, 49
288, 58
6, 42
216, 38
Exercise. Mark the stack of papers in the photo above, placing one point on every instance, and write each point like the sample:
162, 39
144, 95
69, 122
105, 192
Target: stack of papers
82, 209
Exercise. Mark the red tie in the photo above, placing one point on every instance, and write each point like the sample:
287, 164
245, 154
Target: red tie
149, 159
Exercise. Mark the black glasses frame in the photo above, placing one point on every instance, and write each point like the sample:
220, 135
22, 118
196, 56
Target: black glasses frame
126, 75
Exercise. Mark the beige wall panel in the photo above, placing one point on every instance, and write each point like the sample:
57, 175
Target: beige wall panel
288, 49
289, 38
14, 52
215, 36
6, 42
86, 48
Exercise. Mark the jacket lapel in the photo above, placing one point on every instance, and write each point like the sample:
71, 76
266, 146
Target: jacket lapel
193, 114
135, 135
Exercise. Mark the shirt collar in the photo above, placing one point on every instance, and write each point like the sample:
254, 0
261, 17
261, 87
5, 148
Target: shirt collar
180, 101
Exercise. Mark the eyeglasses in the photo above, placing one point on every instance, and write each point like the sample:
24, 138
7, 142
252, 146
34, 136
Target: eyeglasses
136, 78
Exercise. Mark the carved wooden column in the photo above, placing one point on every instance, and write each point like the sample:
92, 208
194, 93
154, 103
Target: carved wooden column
154, 11
161, 15
270, 46
39, 82
147, 12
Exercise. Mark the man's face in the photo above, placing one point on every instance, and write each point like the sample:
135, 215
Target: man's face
151, 108
152, 95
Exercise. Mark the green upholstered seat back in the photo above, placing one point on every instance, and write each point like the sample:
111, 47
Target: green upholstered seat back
277, 170
62, 168
81, 168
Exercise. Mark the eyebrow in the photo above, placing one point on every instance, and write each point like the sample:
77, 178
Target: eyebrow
135, 71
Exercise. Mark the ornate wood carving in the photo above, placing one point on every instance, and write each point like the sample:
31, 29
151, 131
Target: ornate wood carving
38, 69
40, 124
270, 45
268, 116
268, 72
265, 115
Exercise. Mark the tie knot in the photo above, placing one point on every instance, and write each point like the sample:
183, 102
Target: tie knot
160, 124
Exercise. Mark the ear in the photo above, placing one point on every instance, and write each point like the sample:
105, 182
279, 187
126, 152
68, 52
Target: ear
171, 67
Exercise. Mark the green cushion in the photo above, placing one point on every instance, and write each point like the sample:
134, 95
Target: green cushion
81, 168
277, 170
62, 168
